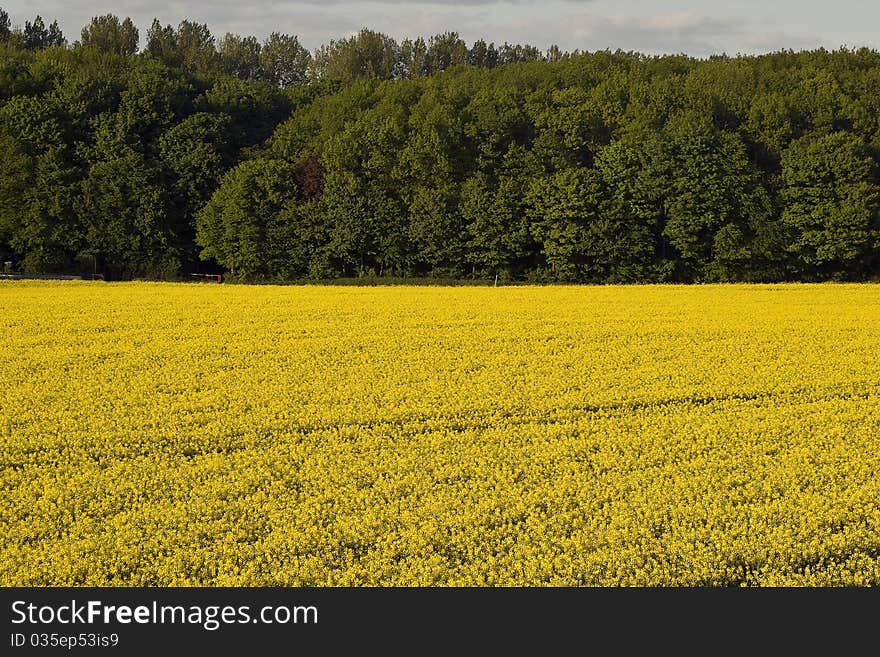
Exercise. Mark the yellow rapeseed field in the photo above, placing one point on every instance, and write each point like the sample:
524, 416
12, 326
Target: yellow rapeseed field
159, 434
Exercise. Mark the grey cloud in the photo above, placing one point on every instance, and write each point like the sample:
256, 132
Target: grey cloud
688, 33
660, 33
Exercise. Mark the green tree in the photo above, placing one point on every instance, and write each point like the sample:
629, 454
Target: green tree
124, 213
16, 178
435, 231
256, 109
367, 54
15, 73
516, 53
561, 208
162, 44
495, 223
832, 202
571, 129
44, 230
198, 51
37, 36
414, 58
151, 102
190, 47
108, 34
713, 186
495, 121
624, 238
240, 56
48, 234
247, 225
445, 51
483, 55
197, 153
5, 26
283, 61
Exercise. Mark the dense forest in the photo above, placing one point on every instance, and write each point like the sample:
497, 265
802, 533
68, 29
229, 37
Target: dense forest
431, 158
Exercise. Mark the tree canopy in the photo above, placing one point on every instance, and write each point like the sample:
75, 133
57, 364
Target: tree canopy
431, 157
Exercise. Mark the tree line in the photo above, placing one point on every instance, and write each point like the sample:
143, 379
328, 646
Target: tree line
431, 158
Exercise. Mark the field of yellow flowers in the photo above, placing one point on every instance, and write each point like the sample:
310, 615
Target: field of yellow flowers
161, 434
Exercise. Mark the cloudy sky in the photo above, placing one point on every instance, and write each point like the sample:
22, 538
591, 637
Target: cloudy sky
690, 26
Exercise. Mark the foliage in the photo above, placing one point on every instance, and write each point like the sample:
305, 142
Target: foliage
246, 225
108, 34
429, 157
